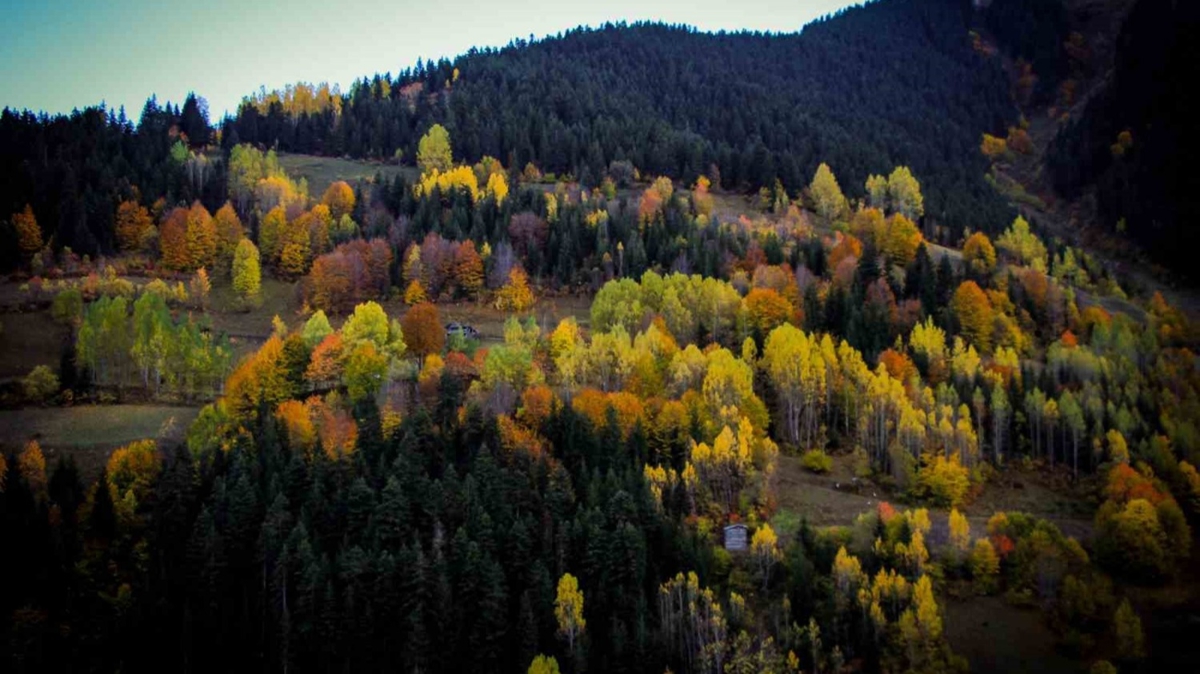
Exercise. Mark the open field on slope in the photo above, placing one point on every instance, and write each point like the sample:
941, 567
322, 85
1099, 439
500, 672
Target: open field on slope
321, 171
28, 340
835, 499
88, 433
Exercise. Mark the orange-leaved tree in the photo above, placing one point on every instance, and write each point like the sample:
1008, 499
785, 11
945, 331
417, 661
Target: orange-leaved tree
173, 240
973, 311
229, 234
423, 330
133, 222
29, 233
468, 269
766, 310
339, 197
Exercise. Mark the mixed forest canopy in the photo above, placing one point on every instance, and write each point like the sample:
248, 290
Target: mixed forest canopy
789, 260
893, 83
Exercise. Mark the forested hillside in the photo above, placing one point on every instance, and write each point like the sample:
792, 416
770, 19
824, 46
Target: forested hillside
728, 314
896, 82
73, 170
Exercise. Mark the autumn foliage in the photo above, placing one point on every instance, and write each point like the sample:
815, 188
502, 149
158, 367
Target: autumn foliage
352, 273
516, 295
132, 225
423, 330
973, 311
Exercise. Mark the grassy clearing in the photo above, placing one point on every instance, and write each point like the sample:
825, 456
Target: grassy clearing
279, 298
321, 171
90, 433
823, 499
995, 636
27, 340
833, 500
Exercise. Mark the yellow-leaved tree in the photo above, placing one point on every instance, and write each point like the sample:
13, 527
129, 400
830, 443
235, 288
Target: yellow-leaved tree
339, 197
764, 545
568, 609
433, 151
133, 221
414, 294
960, 533
979, 255
543, 664
516, 295
247, 273
904, 193
32, 463
828, 200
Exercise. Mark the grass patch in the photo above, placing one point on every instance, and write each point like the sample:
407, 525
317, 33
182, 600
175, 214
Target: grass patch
321, 171
28, 340
88, 433
95, 425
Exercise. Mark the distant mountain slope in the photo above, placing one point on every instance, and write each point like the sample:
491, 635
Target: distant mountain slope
894, 82
1149, 183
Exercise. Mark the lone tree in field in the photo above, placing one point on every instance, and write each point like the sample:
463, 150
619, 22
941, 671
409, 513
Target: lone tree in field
247, 274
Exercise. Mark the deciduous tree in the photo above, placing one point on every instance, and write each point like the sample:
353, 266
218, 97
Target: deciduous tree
516, 295
973, 311
229, 234
433, 151
978, 255
247, 274
568, 610
201, 237
828, 200
423, 330
133, 221
339, 197
904, 194
29, 233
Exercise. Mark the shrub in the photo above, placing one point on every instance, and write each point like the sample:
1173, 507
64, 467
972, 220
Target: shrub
816, 461
985, 566
40, 384
943, 480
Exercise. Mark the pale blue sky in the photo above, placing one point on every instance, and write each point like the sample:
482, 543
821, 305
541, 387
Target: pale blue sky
56, 55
